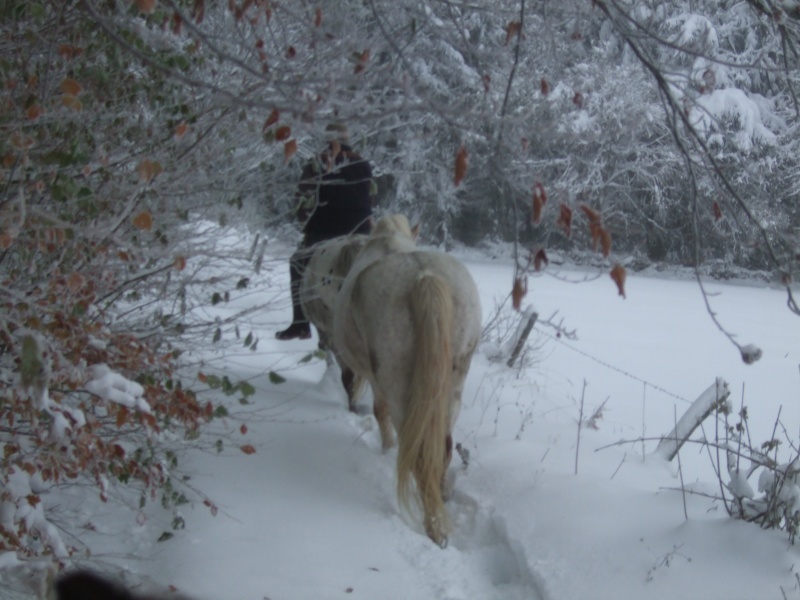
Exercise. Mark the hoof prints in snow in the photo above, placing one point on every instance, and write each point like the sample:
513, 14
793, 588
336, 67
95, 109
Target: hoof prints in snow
496, 562
482, 560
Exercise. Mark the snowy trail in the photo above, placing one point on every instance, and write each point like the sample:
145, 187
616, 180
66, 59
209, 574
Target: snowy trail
330, 524
313, 515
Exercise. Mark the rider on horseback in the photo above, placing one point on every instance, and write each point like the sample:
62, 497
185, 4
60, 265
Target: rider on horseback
334, 198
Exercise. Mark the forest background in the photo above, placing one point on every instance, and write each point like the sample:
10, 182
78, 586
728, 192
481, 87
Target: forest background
624, 134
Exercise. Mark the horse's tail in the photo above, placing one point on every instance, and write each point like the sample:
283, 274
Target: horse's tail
423, 435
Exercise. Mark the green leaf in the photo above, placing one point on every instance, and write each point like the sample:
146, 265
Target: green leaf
217, 335
165, 536
248, 340
221, 412
275, 378
216, 298
246, 389
243, 283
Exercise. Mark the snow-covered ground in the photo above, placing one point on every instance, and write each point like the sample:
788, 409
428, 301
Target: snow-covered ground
312, 513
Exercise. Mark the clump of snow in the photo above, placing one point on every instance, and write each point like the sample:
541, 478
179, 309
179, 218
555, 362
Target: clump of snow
113, 387
743, 112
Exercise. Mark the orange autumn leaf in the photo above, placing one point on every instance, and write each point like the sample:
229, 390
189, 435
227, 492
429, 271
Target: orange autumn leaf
538, 207
148, 169
70, 87
283, 133
518, 292
122, 416
145, 6
540, 260
591, 214
68, 52
618, 274
34, 112
71, 102
272, 119
248, 449
20, 141
75, 283
565, 219
605, 242
289, 150
143, 221
462, 160
181, 129
595, 231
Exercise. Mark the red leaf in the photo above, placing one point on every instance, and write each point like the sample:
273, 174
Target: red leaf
289, 150
143, 221
462, 159
717, 210
145, 6
248, 449
536, 213
539, 200
518, 292
565, 219
177, 23
283, 133
540, 260
272, 119
181, 129
618, 274
318, 17
122, 416
243, 429
544, 86
538, 190
512, 29
361, 61
591, 214
199, 11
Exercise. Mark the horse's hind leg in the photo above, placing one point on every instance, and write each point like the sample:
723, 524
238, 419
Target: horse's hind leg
382, 413
349, 383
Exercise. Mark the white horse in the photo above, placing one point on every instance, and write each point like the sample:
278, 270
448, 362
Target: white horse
408, 321
329, 264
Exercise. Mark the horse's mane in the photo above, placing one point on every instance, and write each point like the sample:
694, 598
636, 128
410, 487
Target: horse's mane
393, 224
392, 234
347, 256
